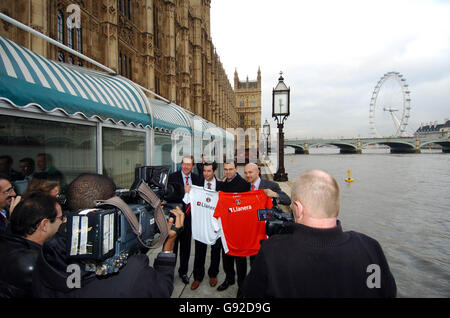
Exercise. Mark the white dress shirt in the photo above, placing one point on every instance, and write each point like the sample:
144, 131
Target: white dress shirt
212, 182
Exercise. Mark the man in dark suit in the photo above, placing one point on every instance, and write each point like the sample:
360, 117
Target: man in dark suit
210, 183
233, 183
182, 180
271, 188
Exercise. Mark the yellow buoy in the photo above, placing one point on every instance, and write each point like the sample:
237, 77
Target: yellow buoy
349, 179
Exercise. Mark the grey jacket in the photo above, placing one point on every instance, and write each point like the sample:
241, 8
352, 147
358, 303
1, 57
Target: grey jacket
283, 197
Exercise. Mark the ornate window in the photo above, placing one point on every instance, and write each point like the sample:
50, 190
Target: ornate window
79, 40
70, 37
60, 26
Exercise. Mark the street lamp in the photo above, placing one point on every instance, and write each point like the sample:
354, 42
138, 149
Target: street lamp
280, 110
266, 133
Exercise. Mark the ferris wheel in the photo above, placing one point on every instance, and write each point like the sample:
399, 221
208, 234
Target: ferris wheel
390, 96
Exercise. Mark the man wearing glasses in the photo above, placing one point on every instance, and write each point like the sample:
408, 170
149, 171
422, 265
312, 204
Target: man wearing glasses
7, 198
35, 220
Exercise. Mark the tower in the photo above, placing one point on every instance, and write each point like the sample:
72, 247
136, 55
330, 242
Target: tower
248, 103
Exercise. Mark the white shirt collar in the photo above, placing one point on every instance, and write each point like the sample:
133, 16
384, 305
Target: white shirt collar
213, 184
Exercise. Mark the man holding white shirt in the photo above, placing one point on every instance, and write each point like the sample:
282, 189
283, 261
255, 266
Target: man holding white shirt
210, 183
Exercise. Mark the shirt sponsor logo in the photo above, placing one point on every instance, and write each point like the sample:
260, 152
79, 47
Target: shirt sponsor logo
240, 209
205, 205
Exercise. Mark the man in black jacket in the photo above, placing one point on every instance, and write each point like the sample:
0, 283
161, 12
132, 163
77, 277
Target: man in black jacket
233, 183
35, 220
317, 259
182, 180
54, 269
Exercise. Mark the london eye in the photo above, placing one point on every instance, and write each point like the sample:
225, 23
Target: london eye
390, 106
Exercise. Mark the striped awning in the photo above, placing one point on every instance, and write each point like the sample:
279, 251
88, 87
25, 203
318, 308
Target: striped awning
168, 117
26, 78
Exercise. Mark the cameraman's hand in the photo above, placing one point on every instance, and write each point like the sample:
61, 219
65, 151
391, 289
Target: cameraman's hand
179, 222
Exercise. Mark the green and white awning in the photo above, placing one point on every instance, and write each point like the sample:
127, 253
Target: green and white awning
168, 117
26, 78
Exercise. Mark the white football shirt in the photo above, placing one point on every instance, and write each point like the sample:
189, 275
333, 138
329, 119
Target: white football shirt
205, 227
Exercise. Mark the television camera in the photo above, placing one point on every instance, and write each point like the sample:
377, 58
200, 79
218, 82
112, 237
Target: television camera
277, 221
104, 237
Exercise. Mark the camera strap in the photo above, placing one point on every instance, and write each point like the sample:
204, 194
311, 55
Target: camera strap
151, 198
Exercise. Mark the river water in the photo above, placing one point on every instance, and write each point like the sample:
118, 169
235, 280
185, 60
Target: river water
402, 201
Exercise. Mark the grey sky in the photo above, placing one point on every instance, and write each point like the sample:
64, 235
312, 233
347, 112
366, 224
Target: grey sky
333, 53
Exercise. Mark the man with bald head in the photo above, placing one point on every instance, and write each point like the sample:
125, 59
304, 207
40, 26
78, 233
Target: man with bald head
317, 258
271, 189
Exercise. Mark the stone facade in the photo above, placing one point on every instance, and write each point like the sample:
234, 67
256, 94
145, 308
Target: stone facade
163, 45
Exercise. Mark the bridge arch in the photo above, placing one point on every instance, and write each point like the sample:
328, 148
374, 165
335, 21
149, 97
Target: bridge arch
444, 143
299, 149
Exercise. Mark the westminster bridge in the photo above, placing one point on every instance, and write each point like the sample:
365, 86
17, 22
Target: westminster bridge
355, 145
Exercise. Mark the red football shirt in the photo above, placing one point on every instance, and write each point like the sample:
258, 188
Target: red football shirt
238, 213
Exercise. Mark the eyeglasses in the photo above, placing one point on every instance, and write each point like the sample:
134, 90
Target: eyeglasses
9, 190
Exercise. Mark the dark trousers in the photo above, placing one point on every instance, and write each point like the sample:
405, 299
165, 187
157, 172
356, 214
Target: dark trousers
184, 241
228, 267
200, 257
241, 267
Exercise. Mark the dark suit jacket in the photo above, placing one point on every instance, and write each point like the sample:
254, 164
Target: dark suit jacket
238, 184
283, 198
176, 179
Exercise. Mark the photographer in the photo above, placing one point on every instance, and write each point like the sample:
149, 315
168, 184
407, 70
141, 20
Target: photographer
53, 277
317, 258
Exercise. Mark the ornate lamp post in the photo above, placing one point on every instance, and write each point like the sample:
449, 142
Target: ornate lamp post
266, 133
280, 110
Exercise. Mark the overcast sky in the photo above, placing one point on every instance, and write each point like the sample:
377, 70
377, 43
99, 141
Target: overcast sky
333, 53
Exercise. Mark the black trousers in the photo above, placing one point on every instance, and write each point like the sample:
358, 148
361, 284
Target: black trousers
184, 241
200, 257
228, 267
241, 267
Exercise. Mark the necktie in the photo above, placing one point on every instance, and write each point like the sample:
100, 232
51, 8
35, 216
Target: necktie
209, 185
188, 207
253, 187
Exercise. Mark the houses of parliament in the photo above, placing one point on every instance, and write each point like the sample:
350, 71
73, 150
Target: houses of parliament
162, 45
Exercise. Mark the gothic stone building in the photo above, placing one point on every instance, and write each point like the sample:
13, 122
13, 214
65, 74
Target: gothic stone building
163, 45
248, 103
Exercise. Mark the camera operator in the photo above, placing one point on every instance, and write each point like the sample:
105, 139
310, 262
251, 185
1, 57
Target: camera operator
317, 258
136, 279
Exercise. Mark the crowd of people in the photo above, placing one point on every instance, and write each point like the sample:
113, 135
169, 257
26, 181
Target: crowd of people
315, 259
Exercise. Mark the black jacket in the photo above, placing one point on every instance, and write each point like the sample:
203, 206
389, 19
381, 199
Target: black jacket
17, 262
176, 180
283, 198
237, 184
136, 279
319, 263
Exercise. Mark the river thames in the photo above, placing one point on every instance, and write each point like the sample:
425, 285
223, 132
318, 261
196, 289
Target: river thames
402, 201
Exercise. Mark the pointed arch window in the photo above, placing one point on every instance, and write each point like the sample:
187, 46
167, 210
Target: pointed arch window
60, 26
